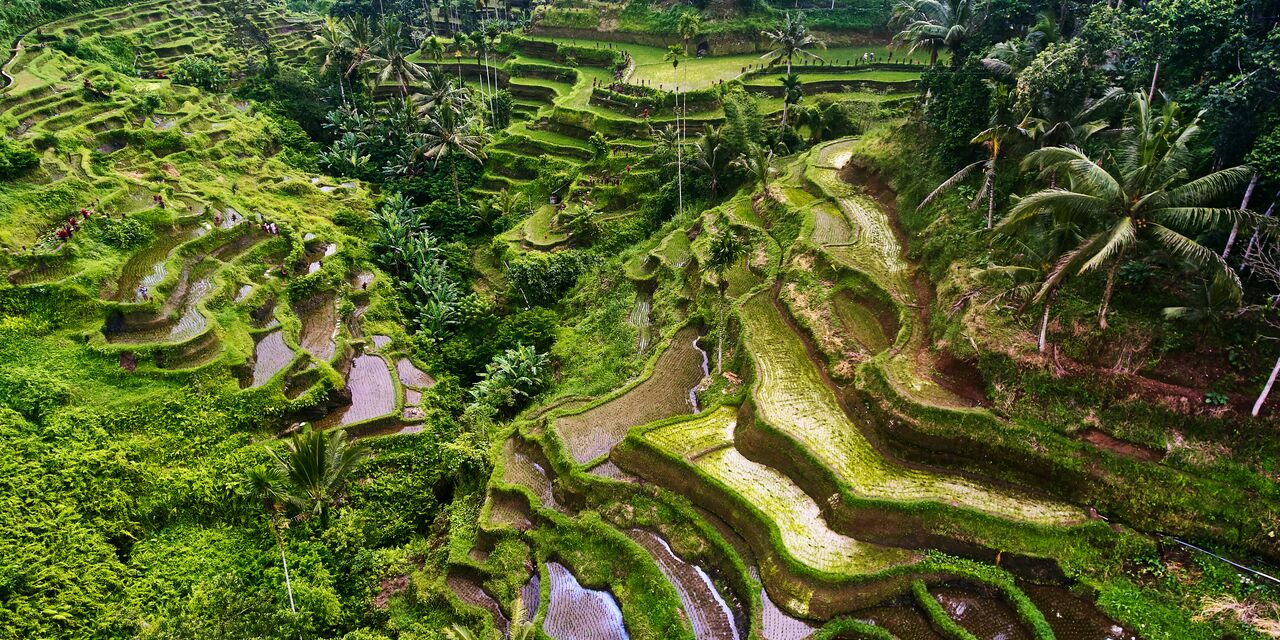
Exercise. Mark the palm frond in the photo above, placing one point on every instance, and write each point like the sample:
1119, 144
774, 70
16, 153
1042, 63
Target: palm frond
956, 178
1210, 187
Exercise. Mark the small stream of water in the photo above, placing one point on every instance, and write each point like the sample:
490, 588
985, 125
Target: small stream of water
706, 371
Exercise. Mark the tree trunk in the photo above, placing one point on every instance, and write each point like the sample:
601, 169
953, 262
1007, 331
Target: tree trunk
1244, 204
1106, 293
933, 58
1044, 322
720, 336
675, 73
991, 194
784, 95
457, 193
1253, 241
1266, 390
1154, 76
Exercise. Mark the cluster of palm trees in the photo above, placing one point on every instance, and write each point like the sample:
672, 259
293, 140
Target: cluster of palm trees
359, 51
1124, 200
936, 25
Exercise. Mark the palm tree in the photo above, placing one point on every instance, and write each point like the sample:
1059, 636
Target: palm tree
792, 91
490, 32
726, 250
461, 43
264, 482
1141, 195
674, 54
361, 41
790, 39
439, 90
434, 48
334, 50
994, 138
449, 135
711, 157
391, 60
934, 25
755, 161
687, 26
314, 469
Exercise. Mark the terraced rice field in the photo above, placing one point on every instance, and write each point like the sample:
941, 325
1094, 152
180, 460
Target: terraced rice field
319, 326
270, 356
707, 442
469, 590
577, 613
665, 393
373, 393
708, 613
146, 268
412, 376
791, 395
507, 510
984, 617
525, 465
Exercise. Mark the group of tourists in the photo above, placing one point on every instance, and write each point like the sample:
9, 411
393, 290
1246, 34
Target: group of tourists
73, 225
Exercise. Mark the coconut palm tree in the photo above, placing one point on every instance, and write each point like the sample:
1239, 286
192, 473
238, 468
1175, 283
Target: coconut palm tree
334, 50
725, 250
450, 135
361, 41
995, 138
490, 31
1140, 196
391, 61
674, 55
440, 91
313, 470
755, 161
264, 483
790, 39
434, 48
934, 25
792, 92
711, 157
688, 26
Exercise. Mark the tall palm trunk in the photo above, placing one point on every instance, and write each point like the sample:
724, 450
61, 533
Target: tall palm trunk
1266, 390
784, 95
457, 191
1244, 204
1107, 291
720, 333
1253, 240
675, 73
1044, 322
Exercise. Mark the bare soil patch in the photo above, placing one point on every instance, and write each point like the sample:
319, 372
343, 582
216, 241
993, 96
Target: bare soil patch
1104, 440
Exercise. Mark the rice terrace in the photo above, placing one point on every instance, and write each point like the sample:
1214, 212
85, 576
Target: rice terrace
639, 320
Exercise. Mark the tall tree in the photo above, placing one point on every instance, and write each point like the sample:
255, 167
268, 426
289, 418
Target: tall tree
688, 26
994, 138
711, 157
450, 135
391, 60
674, 55
334, 51
725, 250
789, 39
1140, 196
792, 91
934, 25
